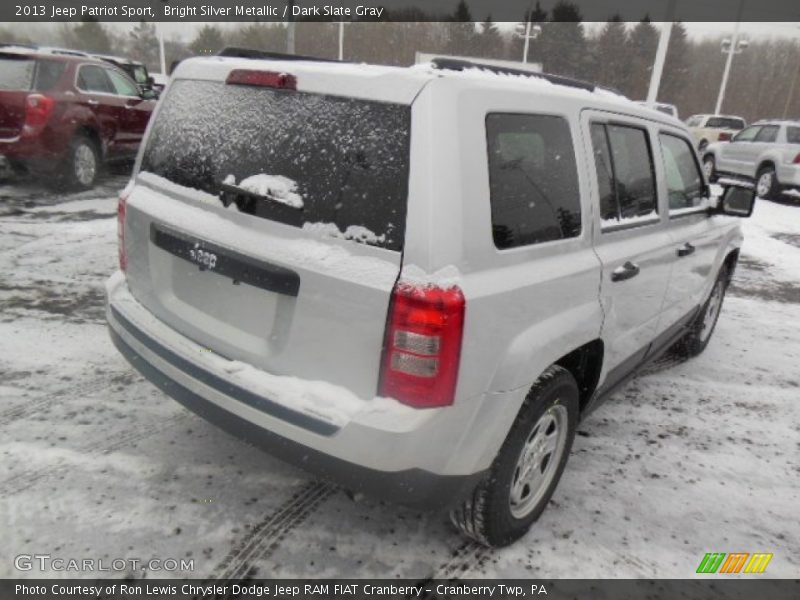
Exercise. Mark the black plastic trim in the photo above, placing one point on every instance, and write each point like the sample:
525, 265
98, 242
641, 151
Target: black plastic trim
223, 386
416, 488
240, 268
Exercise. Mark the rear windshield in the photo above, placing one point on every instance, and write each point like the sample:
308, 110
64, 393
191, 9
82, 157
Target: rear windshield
724, 123
24, 73
16, 73
331, 164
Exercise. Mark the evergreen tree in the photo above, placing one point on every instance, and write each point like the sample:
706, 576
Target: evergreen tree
89, 36
642, 44
611, 55
462, 32
562, 45
490, 41
209, 40
676, 67
143, 44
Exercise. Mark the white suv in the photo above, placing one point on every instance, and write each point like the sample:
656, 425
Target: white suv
414, 282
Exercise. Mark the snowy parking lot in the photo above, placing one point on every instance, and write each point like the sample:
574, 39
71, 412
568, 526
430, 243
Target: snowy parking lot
95, 462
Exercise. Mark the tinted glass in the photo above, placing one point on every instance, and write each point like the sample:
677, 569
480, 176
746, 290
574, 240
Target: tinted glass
533, 179
793, 135
16, 73
122, 85
633, 171
605, 172
684, 182
325, 161
724, 123
48, 72
94, 79
768, 133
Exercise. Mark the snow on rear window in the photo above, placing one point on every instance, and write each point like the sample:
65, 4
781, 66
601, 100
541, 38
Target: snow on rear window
16, 73
288, 156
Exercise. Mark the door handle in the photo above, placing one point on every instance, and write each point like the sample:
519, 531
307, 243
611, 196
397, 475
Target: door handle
624, 272
92, 102
686, 249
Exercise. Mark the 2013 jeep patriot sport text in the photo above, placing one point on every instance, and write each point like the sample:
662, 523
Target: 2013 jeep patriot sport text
413, 282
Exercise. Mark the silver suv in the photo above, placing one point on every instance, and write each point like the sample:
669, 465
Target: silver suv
414, 282
768, 151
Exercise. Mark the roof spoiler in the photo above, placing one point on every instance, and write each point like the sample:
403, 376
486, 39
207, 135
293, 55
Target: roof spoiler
451, 64
237, 52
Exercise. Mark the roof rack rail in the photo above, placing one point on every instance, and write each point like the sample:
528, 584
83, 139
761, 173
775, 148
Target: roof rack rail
452, 64
236, 52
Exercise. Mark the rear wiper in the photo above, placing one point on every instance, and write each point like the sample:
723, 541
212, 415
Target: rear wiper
260, 205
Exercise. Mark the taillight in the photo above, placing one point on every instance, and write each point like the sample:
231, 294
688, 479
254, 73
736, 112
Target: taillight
38, 109
122, 204
422, 348
271, 79
796, 160
724, 137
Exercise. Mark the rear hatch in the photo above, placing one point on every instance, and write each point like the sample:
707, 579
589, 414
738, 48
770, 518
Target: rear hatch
267, 223
21, 74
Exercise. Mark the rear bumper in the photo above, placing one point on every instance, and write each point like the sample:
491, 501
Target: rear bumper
36, 150
350, 455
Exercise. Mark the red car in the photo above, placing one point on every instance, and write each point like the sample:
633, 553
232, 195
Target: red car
64, 113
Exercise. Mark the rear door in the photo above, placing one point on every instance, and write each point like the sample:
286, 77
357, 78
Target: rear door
696, 240
135, 110
268, 223
734, 156
99, 95
631, 240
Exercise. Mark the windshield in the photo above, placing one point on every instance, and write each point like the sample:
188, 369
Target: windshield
139, 74
724, 123
337, 165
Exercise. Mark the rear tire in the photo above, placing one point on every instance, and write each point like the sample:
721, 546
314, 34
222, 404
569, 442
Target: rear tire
528, 466
767, 185
82, 164
699, 334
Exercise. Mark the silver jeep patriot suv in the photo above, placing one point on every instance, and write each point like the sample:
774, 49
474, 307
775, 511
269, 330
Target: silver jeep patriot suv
413, 281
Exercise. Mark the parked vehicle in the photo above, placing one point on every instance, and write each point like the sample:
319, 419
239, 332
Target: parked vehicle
707, 129
667, 109
136, 70
403, 280
65, 113
768, 152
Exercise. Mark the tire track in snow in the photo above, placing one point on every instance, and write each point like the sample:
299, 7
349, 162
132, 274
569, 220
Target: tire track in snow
27, 478
466, 557
265, 537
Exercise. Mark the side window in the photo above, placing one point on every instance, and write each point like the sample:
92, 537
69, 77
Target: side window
122, 85
92, 78
533, 179
605, 172
684, 182
768, 133
793, 135
747, 135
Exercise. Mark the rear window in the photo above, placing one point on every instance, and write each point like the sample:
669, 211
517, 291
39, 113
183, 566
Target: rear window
24, 73
332, 164
533, 179
724, 123
793, 135
16, 73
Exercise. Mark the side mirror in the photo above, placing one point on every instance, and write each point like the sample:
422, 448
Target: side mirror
737, 200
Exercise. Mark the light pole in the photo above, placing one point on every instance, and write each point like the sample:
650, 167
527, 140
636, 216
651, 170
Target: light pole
661, 54
341, 40
290, 28
790, 97
734, 46
528, 32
